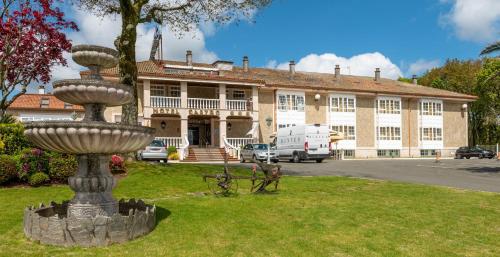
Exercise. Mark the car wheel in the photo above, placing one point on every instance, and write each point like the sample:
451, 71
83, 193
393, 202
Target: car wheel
468, 157
296, 158
319, 161
242, 160
458, 156
480, 156
275, 161
254, 158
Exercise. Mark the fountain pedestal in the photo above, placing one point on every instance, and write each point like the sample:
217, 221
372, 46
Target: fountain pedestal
93, 217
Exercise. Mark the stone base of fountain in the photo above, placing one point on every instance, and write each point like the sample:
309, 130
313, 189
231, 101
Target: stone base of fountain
51, 225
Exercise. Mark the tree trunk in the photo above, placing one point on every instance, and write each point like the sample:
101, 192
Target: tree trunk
125, 45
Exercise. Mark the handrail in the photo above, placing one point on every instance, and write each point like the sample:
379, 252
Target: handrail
229, 147
184, 149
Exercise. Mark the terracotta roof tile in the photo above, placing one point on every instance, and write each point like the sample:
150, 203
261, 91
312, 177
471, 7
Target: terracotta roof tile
33, 102
273, 78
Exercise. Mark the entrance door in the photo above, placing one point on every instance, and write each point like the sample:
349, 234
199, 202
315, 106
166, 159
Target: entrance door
194, 135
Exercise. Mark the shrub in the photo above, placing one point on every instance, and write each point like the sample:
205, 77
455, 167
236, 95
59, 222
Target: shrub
12, 136
117, 164
8, 169
32, 161
38, 179
171, 149
62, 166
173, 156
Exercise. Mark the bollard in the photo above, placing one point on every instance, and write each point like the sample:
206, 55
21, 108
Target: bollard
438, 157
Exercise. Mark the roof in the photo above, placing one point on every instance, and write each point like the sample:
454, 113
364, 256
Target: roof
282, 79
33, 102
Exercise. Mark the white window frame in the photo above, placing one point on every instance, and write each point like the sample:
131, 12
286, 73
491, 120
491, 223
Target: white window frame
342, 104
156, 88
239, 94
174, 91
388, 133
348, 130
388, 106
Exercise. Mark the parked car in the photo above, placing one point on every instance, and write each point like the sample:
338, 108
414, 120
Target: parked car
257, 152
468, 152
155, 151
303, 142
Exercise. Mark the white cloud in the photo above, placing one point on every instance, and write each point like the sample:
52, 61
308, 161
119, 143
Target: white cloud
361, 65
103, 31
474, 20
421, 66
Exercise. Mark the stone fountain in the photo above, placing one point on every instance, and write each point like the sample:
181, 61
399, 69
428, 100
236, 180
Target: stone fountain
93, 217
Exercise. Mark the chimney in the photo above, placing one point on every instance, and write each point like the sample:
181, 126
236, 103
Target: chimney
337, 71
41, 90
292, 67
414, 79
377, 74
189, 58
245, 63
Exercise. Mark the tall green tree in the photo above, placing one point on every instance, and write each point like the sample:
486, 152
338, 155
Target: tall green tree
179, 15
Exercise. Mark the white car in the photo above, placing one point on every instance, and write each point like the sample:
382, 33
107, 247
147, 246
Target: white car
155, 151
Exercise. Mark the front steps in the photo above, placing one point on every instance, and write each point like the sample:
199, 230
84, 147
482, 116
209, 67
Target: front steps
207, 155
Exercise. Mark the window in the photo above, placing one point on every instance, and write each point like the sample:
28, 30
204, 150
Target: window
389, 133
349, 131
431, 108
388, 153
389, 106
342, 104
291, 102
431, 134
68, 106
158, 90
174, 91
44, 102
238, 94
427, 152
117, 118
347, 154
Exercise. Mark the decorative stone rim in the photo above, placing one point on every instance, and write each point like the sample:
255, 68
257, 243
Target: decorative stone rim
96, 48
93, 82
87, 124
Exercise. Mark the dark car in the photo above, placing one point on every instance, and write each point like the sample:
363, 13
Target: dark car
468, 152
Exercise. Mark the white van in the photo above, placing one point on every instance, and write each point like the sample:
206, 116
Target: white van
303, 142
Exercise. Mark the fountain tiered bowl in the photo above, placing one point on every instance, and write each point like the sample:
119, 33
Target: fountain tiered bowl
93, 217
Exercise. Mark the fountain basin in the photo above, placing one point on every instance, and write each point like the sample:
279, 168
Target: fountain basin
92, 55
88, 137
50, 224
81, 91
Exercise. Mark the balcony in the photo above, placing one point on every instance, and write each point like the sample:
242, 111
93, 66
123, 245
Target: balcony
237, 105
198, 103
203, 103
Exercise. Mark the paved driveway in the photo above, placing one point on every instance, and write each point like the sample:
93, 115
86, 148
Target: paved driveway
473, 174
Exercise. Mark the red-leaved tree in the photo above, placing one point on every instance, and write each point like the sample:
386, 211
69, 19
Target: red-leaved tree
31, 43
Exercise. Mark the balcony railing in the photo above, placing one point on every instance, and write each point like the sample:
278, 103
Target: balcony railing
238, 142
203, 103
238, 105
171, 141
165, 102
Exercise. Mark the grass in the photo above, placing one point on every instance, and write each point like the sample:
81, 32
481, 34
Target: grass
310, 216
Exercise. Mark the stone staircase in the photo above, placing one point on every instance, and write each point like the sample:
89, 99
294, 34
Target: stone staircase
207, 154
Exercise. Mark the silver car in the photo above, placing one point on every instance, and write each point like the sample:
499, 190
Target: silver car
257, 152
155, 151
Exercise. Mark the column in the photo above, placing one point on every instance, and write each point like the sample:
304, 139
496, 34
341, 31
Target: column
147, 93
222, 97
184, 96
184, 128
256, 136
222, 129
255, 98
212, 131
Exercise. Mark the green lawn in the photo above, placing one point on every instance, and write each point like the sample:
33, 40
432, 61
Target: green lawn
310, 216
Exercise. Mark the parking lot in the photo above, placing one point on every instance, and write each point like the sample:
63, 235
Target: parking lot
475, 174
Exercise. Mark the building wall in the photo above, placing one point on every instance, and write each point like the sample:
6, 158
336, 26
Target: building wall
266, 110
365, 133
202, 92
172, 128
315, 110
43, 115
409, 127
454, 127
239, 127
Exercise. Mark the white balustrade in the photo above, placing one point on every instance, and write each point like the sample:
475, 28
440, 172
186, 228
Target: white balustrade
165, 102
171, 141
239, 142
238, 105
184, 149
203, 103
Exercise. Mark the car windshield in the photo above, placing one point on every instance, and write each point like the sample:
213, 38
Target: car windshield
260, 147
156, 143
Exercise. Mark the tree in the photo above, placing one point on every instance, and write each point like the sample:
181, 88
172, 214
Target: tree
179, 15
491, 48
32, 42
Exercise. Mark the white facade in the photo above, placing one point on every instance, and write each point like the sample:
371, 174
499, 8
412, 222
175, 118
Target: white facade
388, 122
290, 108
37, 116
342, 118
430, 124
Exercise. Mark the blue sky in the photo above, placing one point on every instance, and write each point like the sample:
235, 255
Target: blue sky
400, 37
